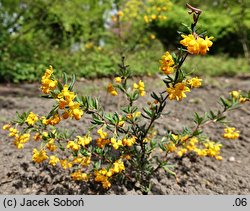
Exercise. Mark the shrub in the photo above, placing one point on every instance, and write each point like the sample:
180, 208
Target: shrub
120, 146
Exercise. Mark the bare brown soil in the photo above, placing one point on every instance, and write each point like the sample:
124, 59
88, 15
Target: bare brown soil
19, 175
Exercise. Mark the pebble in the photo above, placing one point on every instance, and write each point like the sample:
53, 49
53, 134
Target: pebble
232, 159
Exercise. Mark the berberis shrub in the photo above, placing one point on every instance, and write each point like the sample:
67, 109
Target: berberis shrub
126, 144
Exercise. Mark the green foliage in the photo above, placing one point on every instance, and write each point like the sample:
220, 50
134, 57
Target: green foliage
217, 65
225, 31
35, 34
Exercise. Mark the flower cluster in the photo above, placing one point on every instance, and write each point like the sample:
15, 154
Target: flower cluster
231, 133
156, 10
178, 91
185, 144
48, 84
31, 119
167, 63
79, 176
238, 96
140, 87
150, 10
196, 44
103, 175
112, 90
39, 155
66, 102
19, 139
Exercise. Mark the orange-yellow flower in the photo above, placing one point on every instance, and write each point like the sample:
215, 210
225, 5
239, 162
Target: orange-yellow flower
178, 91
196, 45
194, 82
112, 90
231, 133
39, 156
167, 63
141, 87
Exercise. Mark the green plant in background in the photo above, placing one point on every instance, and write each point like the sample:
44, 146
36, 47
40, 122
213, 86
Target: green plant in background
132, 20
41, 32
122, 146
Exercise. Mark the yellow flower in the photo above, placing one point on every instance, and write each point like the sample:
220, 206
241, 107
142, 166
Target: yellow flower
77, 113
52, 85
73, 146
13, 132
65, 115
127, 157
194, 82
89, 45
244, 99
175, 137
65, 164
201, 152
116, 144
153, 17
119, 13
17, 143
51, 145
218, 157
212, 149
84, 161
152, 36
20, 140
167, 63
37, 136
102, 134
6, 127
196, 45
128, 141
52, 120
102, 142
181, 152
106, 184
134, 115
62, 103
171, 147
204, 45
79, 176
113, 18
118, 79
53, 160
235, 94
121, 123
31, 119
39, 156
101, 176
118, 166
178, 91
45, 134
230, 133
111, 90
47, 84
85, 140
141, 87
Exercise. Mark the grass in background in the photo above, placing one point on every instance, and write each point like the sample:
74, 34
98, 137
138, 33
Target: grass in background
218, 65
141, 63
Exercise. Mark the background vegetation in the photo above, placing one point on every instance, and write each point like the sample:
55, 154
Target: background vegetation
79, 36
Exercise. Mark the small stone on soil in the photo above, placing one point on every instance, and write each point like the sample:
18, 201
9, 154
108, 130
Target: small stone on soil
232, 159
